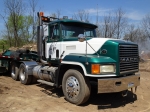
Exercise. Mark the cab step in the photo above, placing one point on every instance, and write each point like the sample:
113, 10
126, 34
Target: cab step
46, 82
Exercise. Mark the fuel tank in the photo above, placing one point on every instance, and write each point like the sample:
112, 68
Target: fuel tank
45, 73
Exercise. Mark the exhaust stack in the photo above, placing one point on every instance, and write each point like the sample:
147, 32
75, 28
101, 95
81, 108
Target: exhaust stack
40, 35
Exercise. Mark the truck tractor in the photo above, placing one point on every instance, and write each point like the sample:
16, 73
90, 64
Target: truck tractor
70, 56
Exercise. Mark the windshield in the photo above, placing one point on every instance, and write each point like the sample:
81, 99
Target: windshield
73, 30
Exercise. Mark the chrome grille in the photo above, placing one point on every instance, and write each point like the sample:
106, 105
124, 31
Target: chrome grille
129, 58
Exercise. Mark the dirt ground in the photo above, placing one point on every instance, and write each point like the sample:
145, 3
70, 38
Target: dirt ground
16, 97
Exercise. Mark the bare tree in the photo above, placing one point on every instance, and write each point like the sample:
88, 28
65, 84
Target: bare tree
58, 13
14, 9
120, 23
132, 33
33, 5
135, 34
82, 15
108, 26
114, 24
98, 31
146, 25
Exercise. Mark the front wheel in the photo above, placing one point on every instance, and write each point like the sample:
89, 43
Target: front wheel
76, 87
23, 75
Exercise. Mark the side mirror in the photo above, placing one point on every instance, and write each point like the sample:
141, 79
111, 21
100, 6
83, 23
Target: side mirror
81, 38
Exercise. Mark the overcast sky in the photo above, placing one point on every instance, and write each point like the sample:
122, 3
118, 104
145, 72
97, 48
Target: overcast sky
135, 9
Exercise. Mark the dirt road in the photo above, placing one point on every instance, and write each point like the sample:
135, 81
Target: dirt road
16, 97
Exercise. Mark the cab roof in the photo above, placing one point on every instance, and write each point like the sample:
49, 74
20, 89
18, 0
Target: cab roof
72, 21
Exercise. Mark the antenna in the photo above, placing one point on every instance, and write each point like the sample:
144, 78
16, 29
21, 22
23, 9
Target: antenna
97, 15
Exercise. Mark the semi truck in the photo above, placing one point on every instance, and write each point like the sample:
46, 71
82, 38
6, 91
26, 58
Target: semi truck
71, 56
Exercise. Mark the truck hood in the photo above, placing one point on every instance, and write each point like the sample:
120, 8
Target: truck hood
80, 47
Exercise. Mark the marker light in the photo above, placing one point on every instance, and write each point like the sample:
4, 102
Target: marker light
95, 68
41, 14
45, 19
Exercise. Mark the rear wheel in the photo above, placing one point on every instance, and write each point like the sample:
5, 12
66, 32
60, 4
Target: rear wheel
23, 75
14, 71
76, 87
34, 80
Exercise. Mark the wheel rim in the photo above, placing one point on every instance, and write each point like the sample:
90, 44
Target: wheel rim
72, 87
22, 74
13, 71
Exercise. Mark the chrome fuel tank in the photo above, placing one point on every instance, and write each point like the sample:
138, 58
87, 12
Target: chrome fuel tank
44, 73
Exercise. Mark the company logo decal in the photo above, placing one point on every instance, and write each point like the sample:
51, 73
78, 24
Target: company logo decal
128, 59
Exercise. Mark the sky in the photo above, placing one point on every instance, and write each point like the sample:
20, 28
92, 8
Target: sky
135, 9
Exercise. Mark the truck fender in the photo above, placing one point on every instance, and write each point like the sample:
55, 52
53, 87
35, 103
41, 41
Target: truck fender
29, 65
63, 67
76, 63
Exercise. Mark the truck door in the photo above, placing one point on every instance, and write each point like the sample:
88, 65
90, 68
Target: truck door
53, 46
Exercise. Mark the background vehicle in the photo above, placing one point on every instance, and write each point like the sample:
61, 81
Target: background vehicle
72, 57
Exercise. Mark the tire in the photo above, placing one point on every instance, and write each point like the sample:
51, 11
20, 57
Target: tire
23, 75
14, 71
79, 86
34, 80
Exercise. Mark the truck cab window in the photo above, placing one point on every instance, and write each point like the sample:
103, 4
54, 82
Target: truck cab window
54, 32
89, 33
73, 30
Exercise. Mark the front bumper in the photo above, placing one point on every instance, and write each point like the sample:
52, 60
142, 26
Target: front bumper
118, 84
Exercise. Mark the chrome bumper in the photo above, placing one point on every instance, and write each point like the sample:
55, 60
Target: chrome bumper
118, 84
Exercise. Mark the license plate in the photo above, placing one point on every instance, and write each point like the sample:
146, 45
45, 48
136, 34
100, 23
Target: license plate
130, 85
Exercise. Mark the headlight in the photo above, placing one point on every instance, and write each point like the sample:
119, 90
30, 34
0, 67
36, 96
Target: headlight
107, 68
97, 68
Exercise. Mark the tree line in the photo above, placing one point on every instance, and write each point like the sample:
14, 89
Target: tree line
116, 25
20, 23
